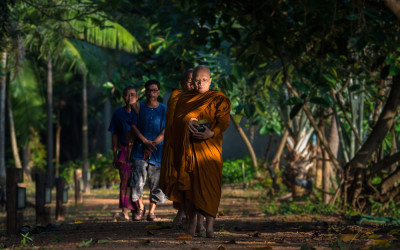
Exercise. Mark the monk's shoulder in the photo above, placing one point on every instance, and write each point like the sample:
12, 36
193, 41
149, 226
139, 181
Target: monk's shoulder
219, 97
176, 92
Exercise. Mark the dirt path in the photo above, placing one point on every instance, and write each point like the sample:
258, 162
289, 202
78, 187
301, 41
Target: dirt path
239, 225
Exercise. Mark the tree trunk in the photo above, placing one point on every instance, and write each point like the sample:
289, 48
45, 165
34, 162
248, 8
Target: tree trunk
58, 136
248, 145
394, 6
3, 120
333, 139
50, 138
356, 168
274, 167
13, 136
26, 161
85, 139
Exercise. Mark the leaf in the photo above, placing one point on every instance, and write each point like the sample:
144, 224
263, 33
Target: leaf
157, 226
249, 110
376, 180
321, 102
102, 241
347, 237
374, 236
381, 243
108, 85
184, 237
352, 17
295, 110
237, 118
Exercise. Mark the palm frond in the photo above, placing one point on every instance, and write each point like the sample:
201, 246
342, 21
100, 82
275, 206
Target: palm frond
27, 100
105, 33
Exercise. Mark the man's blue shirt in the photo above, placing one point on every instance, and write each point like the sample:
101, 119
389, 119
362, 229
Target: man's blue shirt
150, 122
118, 124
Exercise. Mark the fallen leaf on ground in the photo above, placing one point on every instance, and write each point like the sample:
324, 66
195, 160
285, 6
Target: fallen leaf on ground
156, 227
221, 247
347, 237
381, 243
374, 236
184, 237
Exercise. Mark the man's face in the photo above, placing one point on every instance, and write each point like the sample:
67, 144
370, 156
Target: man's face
130, 96
152, 92
201, 80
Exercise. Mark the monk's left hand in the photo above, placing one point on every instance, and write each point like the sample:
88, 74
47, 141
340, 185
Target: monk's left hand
208, 133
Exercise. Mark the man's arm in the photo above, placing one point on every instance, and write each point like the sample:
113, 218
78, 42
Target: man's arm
114, 141
159, 138
148, 144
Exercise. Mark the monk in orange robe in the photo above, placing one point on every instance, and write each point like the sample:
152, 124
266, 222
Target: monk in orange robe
168, 172
197, 153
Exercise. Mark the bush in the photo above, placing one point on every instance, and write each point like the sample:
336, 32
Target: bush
232, 171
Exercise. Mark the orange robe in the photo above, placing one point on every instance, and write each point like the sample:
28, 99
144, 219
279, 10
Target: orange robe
168, 173
197, 164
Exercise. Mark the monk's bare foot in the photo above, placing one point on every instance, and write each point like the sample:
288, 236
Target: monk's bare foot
210, 235
200, 229
178, 221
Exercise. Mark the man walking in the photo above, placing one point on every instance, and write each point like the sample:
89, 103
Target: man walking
148, 126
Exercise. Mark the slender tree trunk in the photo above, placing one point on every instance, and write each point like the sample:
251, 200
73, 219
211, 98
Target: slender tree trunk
248, 145
274, 167
356, 168
333, 139
85, 139
58, 136
3, 119
107, 119
50, 138
26, 161
393, 149
267, 151
13, 136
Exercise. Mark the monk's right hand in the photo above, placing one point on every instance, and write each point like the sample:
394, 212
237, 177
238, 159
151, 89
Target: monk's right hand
191, 127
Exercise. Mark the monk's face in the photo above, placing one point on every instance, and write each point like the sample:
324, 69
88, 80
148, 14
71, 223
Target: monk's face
202, 80
188, 83
130, 96
152, 92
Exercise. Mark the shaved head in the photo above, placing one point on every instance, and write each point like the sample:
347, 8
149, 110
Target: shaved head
202, 68
201, 79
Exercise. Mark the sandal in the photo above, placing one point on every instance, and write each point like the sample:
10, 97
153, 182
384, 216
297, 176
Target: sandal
120, 217
139, 214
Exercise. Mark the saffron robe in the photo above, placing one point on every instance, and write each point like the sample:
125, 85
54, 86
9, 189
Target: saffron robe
168, 173
195, 166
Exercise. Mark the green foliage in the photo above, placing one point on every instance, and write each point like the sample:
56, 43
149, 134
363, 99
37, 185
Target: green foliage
295, 207
232, 171
102, 171
25, 239
85, 243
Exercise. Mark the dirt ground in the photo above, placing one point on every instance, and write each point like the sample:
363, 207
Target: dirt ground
240, 225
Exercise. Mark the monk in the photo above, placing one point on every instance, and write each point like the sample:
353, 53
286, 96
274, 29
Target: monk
167, 170
198, 159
